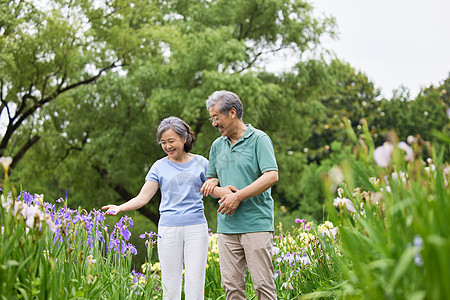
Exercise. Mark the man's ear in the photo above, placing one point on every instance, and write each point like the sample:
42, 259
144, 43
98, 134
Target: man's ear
232, 113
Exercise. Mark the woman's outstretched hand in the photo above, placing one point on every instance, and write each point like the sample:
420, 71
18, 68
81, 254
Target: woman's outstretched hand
111, 209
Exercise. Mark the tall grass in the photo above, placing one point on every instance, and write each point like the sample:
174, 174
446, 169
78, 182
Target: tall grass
49, 251
394, 231
386, 238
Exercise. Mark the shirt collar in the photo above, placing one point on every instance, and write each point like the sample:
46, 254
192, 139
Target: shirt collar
250, 130
248, 133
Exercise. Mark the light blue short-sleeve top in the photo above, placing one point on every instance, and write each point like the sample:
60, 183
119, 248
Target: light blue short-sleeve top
180, 183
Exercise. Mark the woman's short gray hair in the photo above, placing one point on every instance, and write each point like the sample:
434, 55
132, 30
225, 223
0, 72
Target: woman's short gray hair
180, 127
226, 100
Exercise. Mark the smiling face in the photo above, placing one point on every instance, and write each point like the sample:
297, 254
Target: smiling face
220, 120
173, 145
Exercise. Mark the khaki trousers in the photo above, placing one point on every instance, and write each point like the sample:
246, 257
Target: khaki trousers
237, 252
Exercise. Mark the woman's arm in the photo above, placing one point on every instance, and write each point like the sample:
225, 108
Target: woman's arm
147, 192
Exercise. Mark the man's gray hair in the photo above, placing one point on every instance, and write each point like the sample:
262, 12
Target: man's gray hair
180, 127
226, 100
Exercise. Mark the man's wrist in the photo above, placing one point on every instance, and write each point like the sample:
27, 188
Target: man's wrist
239, 196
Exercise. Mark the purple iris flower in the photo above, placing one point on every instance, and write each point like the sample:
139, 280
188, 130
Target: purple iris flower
123, 248
76, 219
100, 237
27, 197
67, 214
105, 227
137, 275
133, 249
125, 233
113, 243
49, 206
100, 217
150, 236
52, 216
89, 225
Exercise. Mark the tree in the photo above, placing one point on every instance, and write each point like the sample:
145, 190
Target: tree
101, 137
425, 116
352, 97
47, 52
324, 94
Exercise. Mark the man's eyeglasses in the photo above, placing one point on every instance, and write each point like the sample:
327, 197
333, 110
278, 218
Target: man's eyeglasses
215, 118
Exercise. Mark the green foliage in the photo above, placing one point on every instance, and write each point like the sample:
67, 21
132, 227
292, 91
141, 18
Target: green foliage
424, 116
48, 51
389, 239
352, 97
49, 251
97, 141
393, 229
85, 86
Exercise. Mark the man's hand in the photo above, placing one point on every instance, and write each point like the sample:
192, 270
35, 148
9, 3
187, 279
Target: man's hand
229, 203
222, 191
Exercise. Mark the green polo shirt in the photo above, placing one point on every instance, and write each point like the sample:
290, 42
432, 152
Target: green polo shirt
239, 166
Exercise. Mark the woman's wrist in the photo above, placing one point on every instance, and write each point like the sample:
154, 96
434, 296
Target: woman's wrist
214, 191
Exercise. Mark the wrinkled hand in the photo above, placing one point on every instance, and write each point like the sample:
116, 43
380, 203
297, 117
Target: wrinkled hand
208, 186
111, 209
229, 203
222, 191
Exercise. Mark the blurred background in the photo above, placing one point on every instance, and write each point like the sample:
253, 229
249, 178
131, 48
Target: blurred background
84, 85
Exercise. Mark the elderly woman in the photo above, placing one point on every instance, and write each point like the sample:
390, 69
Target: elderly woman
243, 160
182, 228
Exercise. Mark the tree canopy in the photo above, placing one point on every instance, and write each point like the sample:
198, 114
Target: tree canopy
84, 85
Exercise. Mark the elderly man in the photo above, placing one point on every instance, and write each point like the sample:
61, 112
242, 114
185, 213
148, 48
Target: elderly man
243, 160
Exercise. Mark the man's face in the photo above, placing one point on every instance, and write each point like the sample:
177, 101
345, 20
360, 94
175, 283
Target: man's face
219, 119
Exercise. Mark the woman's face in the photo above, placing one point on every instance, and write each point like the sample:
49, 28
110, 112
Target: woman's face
172, 144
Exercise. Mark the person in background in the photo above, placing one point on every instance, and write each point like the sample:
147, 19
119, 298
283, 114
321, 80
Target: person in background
182, 228
243, 160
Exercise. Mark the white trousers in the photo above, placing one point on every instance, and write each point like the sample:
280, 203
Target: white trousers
175, 245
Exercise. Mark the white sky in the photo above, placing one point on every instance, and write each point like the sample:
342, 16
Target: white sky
396, 42
393, 42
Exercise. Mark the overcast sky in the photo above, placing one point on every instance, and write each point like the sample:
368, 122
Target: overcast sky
393, 42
